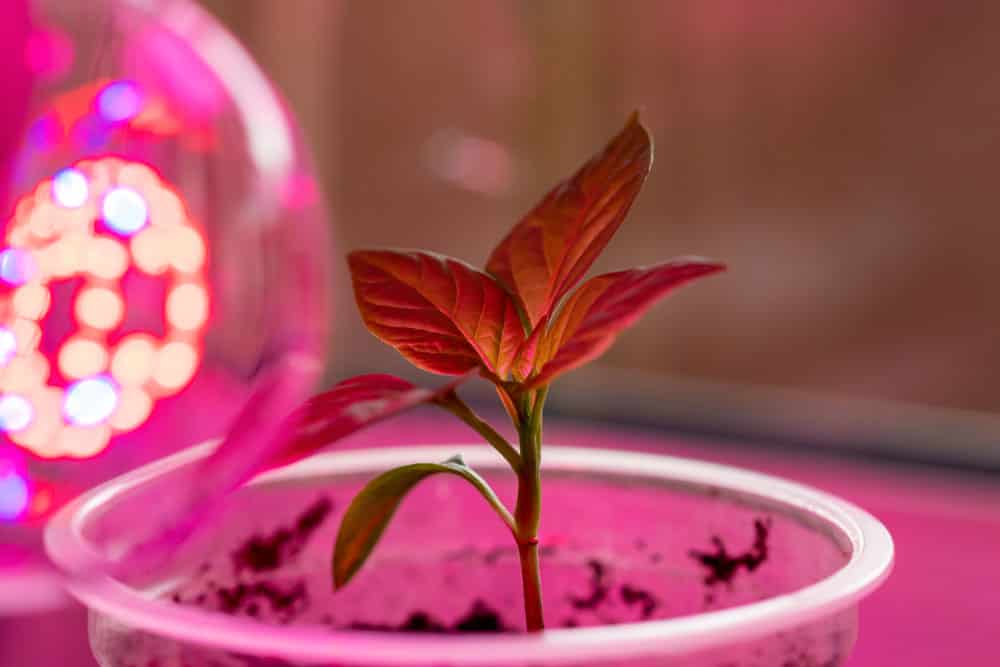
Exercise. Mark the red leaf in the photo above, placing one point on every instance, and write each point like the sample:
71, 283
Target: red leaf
603, 307
550, 250
350, 406
441, 314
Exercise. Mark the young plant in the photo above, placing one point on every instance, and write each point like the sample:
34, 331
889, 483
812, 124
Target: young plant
518, 324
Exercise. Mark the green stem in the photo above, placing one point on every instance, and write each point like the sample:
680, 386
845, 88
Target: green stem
455, 405
527, 513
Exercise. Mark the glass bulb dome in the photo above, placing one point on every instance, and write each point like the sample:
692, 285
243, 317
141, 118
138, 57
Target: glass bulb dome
163, 249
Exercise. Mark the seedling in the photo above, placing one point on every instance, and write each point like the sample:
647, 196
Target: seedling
519, 324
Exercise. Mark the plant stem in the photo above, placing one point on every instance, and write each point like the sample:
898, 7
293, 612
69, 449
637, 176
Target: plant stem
455, 405
532, 585
527, 513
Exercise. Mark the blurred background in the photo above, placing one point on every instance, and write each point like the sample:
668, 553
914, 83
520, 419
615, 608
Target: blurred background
841, 158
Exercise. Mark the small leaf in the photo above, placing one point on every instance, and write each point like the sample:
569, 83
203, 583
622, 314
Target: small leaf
441, 314
603, 307
550, 250
527, 357
350, 406
369, 513
508, 405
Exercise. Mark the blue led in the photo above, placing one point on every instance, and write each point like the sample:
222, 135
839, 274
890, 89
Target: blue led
90, 401
124, 210
16, 266
14, 495
15, 412
119, 101
8, 345
70, 189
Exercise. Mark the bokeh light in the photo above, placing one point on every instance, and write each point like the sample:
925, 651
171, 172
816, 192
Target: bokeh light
8, 345
124, 211
175, 364
31, 301
14, 493
69, 188
16, 266
187, 250
132, 363
134, 406
99, 308
150, 251
119, 101
105, 258
80, 357
15, 412
187, 306
90, 401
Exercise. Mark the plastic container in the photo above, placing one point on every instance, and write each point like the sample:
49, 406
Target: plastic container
647, 560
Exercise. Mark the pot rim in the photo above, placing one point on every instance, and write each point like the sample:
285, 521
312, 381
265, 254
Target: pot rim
869, 544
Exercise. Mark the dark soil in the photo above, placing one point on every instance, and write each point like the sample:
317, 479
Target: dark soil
632, 595
263, 553
288, 599
481, 618
598, 588
722, 567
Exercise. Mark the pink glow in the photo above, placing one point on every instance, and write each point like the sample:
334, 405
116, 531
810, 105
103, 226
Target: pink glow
48, 54
18, 81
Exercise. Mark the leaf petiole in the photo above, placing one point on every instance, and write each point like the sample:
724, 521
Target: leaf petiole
455, 405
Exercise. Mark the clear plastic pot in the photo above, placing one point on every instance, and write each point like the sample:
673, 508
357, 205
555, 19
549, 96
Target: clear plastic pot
646, 560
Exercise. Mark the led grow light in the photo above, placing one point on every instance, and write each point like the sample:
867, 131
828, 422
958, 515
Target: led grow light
96, 223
